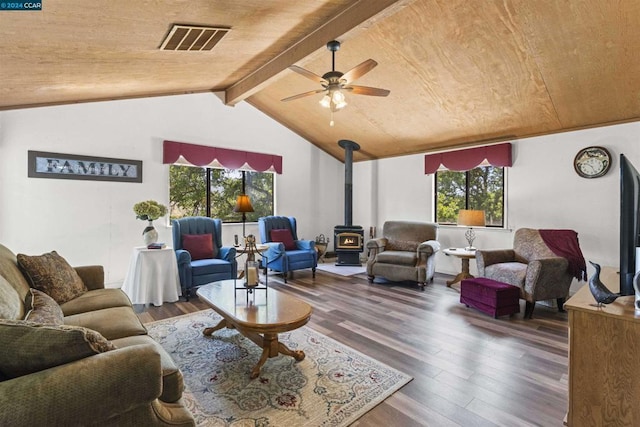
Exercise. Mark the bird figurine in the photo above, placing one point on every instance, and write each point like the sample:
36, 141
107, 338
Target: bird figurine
599, 290
636, 288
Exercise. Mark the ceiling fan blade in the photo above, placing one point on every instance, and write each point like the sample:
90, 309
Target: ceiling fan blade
308, 74
359, 71
366, 90
302, 95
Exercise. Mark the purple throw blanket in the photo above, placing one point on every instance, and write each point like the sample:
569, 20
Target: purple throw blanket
564, 243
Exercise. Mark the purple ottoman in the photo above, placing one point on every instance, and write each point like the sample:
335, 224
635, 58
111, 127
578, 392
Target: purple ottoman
491, 297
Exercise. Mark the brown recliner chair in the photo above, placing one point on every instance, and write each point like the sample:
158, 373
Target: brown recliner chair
406, 251
534, 267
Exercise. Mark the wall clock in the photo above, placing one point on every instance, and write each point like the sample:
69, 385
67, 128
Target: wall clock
592, 162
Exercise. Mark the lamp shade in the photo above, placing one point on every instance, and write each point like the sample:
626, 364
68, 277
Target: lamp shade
471, 217
243, 204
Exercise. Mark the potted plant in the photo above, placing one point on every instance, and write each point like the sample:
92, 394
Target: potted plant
149, 210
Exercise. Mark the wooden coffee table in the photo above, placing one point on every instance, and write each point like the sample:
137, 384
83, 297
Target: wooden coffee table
260, 317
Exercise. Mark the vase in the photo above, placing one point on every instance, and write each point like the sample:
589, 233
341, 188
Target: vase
150, 234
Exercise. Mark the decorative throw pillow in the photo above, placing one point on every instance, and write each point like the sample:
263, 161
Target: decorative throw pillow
283, 235
43, 309
52, 274
11, 305
27, 347
200, 246
401, 245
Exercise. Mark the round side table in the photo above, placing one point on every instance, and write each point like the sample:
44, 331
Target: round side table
464, 255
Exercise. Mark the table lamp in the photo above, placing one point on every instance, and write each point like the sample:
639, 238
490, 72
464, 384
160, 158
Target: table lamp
471, 218
243, 204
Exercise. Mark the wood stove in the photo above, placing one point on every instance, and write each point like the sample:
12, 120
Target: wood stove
348, 239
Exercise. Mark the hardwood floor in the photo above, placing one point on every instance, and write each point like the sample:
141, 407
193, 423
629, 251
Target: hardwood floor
469, 369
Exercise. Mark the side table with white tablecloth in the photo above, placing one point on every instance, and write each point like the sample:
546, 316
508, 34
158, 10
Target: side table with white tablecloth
152, 277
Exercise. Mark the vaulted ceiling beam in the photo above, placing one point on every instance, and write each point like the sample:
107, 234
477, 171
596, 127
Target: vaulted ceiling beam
355, 15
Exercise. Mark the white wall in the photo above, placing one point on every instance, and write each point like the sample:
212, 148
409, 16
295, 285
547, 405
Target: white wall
92, 222
543, 192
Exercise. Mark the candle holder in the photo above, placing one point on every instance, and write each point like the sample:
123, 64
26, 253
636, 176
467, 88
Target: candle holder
251, 274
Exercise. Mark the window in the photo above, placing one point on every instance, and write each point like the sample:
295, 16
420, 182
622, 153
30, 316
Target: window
479, 188
188, 194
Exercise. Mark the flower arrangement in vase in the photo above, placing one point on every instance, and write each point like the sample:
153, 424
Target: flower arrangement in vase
149, 210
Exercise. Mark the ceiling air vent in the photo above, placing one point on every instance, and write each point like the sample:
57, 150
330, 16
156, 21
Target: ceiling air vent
190, 37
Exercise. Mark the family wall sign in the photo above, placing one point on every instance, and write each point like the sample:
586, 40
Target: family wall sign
70, 166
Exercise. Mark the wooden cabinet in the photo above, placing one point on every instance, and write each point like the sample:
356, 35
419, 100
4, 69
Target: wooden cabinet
604, 359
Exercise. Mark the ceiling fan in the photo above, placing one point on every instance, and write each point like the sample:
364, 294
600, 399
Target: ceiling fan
334, 83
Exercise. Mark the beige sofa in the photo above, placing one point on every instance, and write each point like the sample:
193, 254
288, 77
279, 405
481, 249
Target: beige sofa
68, 375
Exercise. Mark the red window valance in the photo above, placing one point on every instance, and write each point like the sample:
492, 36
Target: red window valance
202, 155
464, 160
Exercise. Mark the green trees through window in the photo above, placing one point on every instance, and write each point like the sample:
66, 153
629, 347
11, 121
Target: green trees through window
188, 192
480, 188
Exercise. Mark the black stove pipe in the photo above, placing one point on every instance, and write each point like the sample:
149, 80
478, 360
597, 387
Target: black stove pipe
349, 148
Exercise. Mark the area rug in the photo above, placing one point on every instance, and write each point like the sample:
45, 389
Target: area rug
347, 270
333, 386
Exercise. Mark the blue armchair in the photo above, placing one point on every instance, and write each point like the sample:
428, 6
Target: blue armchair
208, 260
298, 254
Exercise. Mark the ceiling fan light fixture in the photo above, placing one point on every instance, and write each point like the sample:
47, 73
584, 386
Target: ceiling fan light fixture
334, 100
339, 106
326, 101
338, 99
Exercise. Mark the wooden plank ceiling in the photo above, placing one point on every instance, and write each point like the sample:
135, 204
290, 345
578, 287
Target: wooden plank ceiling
460, 72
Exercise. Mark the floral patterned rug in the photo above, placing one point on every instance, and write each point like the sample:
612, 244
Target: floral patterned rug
333, 386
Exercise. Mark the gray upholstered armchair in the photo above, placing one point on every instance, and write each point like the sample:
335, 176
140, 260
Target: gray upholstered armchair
406, 251
533, 266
